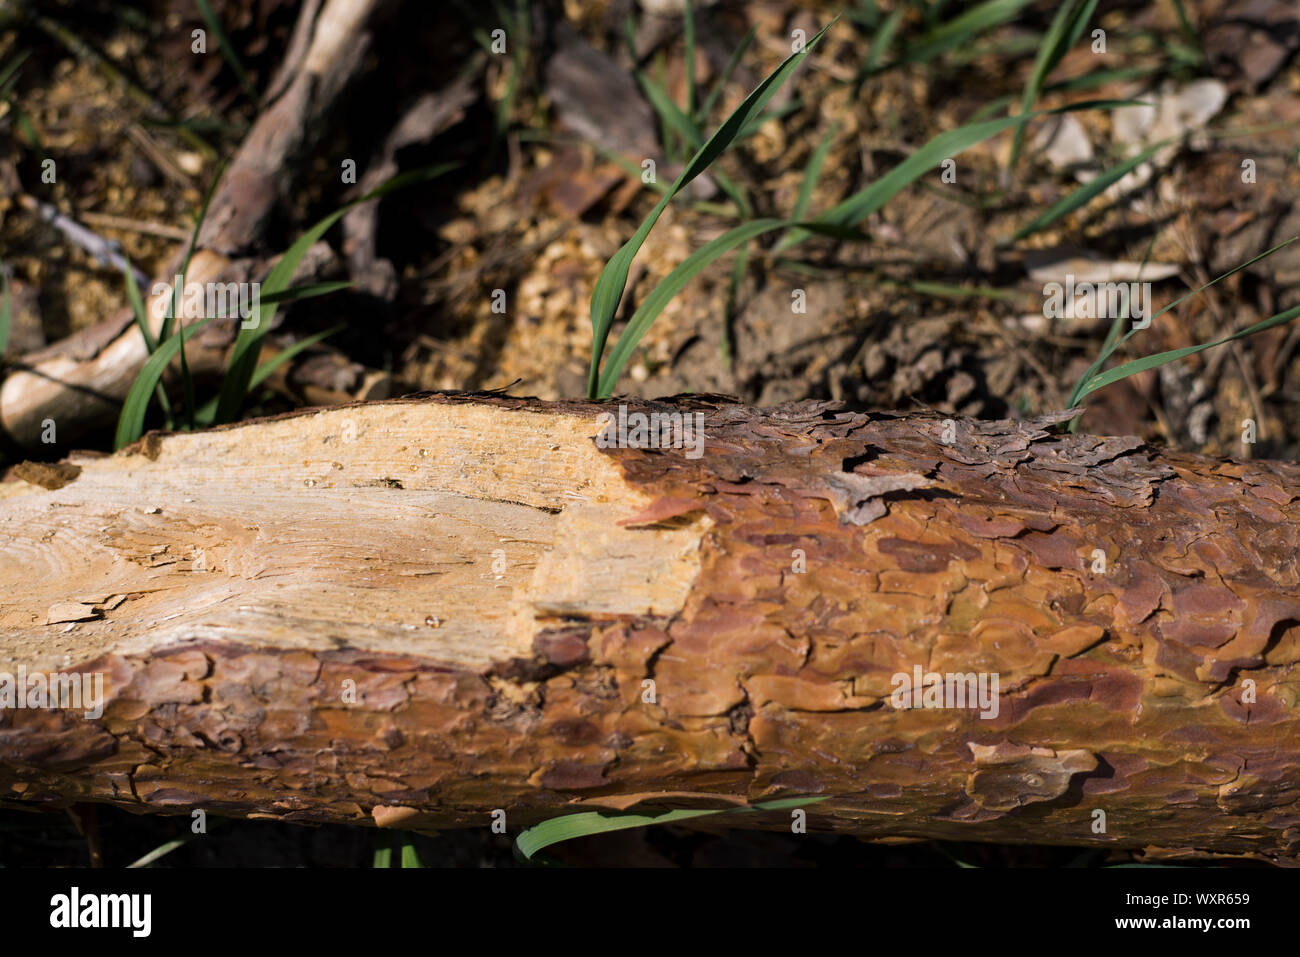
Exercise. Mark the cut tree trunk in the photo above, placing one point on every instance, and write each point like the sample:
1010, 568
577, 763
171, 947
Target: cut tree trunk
414, 613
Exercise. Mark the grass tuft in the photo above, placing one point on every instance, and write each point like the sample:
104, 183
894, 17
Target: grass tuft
572, 826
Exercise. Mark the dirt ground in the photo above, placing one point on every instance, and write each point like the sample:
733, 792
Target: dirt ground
481, 279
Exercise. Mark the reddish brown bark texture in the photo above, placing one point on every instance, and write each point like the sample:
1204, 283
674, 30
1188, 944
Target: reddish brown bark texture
1162, 691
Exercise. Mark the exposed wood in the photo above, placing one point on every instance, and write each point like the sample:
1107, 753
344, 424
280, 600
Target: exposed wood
499, 590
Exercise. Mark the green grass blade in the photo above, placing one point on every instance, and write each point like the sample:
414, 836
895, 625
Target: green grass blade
570, 826
505, 109
243, 359
1236, 269
505, 106
673, 144
137, 306
880, 43
725, 76
662, 188
1109, 346
662, 294
130, 424
142, 323
383, 850
227, 49
307, 292
960, 30
28, 128
1078, 26
1127, 369
1083, 195
680, 123
9, 75
162, 850
1113, 344
1190, 35
1009, 47
1089, 81
670, 115
1049, 55
178, 295
410, 857
991, 108
866, 13
208, 411
841, 218
813, 171
932, 9
867, 201
179, 291
688, 27
672, 118
734, 193
738, 269
756, 124
587, 823
613, 278
962, 292
670, 285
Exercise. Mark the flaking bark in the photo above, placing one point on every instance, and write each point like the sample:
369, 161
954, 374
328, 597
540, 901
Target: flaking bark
533, 624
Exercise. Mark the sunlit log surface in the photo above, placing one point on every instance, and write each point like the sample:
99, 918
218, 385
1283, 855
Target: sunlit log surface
416, 612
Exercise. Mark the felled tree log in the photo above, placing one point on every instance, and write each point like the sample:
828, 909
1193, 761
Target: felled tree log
416, 612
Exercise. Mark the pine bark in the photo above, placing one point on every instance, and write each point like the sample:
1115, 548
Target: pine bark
414, 613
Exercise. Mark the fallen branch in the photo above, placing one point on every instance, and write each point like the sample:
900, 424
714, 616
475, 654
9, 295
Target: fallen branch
413, 613
78, 384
